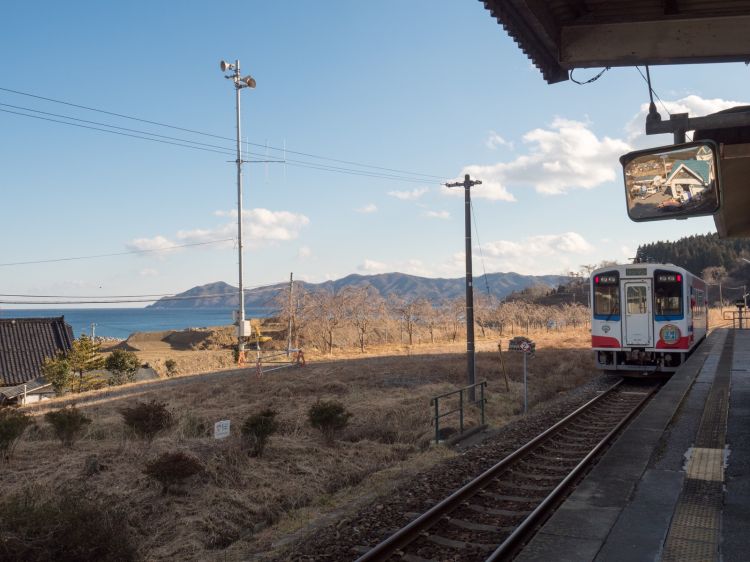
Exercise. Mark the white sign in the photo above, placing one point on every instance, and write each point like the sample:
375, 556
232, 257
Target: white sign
221, 429
525, 346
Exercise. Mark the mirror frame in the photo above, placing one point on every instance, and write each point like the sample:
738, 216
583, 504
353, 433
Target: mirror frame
626, 159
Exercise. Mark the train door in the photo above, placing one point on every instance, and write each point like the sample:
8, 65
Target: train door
638, 326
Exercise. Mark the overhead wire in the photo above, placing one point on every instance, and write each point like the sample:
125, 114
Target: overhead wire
175, 141
203, 133
163, 249
481, 254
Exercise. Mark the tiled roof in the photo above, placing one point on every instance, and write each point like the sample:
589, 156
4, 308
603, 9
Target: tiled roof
698, 167
26, 342
548, 30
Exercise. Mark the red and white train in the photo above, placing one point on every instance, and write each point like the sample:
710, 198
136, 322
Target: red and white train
646, 317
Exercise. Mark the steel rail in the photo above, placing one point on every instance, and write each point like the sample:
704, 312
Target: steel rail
407, 534
524, 529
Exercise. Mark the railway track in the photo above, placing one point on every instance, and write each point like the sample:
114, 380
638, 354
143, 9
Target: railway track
493, 515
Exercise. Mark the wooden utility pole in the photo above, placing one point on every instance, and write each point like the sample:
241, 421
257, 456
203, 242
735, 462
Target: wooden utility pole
467, 184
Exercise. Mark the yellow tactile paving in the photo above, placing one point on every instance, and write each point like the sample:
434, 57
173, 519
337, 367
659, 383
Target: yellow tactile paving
706, 464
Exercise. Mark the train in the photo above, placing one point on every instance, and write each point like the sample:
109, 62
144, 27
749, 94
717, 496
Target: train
646, 318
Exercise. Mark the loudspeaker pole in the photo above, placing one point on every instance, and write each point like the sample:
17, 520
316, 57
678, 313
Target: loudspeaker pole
467, 184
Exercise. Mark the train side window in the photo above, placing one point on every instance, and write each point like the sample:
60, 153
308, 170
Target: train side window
606, 295
668, 293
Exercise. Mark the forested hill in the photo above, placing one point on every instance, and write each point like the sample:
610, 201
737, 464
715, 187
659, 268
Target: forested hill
696, 253
408, 287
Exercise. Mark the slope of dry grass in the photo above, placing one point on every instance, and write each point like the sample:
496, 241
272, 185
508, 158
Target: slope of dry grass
241, 505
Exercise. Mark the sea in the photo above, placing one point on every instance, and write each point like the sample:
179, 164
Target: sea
121, 322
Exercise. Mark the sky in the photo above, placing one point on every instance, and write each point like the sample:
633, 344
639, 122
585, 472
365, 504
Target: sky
420, 91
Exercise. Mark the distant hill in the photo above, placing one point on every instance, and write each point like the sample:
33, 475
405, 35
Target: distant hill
223, 295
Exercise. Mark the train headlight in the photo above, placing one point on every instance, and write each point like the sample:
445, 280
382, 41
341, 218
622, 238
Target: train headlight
670, 334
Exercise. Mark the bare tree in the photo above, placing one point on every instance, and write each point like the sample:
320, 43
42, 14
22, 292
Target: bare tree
407, 313
362, 306
325, 312
427, 317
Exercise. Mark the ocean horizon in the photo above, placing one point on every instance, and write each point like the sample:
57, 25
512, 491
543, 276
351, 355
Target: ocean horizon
121, 322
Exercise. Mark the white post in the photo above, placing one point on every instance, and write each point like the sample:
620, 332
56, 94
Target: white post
525, 386
241, 341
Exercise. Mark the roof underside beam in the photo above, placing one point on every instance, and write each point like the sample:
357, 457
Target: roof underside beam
671, 41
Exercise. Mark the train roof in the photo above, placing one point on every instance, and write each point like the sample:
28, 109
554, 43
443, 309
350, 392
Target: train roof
641, 269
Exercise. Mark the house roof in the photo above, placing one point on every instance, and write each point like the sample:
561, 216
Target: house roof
26, 342
561, 35
699, 168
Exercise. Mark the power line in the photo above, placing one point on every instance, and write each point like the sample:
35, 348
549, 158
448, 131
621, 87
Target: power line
113, 132
165, 248
38, 303
197, 132
169, 296
481, 254
203, 146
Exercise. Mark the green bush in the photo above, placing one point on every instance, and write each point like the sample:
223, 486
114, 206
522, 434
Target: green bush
13, 423
147, 419
171, 366
39, 525
257, 429
123, 365
329, 417
172, 468
68, 424
58, 373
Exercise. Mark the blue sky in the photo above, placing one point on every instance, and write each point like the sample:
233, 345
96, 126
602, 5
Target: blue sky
431, 87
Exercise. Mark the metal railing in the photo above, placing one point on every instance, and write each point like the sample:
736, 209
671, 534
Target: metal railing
462, 401
740, 319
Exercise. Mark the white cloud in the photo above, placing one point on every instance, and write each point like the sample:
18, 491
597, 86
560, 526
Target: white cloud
438, 215
149, 244
148, 272
565, 156
540, 245
369, 208
494, 140
372, 266
260, 226
415, 193
695, 106
304, 252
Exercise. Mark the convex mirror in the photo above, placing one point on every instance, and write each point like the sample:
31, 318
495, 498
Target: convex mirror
672, 182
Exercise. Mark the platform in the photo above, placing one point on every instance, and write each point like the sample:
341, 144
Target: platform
676, 484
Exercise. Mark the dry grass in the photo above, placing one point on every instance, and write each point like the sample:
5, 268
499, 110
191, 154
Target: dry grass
240, 505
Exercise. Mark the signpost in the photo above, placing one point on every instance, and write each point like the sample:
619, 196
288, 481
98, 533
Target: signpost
527, 347
221, 429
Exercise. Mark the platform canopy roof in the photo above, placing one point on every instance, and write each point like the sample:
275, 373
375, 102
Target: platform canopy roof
561, 35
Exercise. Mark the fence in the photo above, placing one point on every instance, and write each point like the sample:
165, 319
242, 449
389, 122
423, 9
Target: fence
461, 401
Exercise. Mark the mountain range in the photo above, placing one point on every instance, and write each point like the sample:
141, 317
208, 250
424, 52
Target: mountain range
410, 287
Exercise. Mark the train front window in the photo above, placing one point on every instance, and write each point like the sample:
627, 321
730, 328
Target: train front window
668, 293
637, 300
606, 295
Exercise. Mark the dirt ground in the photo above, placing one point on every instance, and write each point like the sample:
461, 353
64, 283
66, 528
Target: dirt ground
240, 506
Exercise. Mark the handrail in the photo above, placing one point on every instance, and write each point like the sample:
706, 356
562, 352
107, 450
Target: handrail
436, 402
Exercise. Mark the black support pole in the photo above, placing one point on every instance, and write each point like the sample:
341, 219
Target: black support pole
467, 184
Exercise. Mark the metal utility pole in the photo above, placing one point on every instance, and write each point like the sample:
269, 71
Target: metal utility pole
467, 184
291, 313
239, 83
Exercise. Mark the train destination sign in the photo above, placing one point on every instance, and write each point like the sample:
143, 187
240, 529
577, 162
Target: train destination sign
669, 278
607, 279
636, 271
